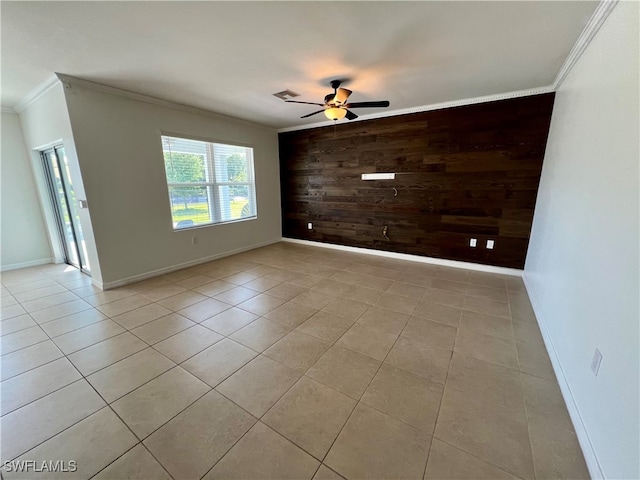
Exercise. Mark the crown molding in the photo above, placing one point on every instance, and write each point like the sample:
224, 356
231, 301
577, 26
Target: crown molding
69, 82
35, 94
7, 110
428, 108
590, 30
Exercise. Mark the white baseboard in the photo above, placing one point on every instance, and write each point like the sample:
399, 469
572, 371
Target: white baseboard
31, 263
589, 452
161, 271
412, 258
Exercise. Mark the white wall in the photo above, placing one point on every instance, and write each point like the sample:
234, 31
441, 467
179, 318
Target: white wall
45, 122
120, 155
582, 267
23, 236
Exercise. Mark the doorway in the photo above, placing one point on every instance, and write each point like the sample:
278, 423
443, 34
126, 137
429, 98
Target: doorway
65, 207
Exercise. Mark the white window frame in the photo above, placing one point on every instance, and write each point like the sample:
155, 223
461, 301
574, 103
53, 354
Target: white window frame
213, 190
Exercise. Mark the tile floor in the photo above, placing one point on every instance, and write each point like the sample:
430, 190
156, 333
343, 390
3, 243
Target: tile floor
284, 362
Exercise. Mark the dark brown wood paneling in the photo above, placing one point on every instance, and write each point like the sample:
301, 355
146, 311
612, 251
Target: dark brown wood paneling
463, 172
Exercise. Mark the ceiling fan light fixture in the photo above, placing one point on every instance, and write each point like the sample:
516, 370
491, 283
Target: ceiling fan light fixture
341, 95
335, 113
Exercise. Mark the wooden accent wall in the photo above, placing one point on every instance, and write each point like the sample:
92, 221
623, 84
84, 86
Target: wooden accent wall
461, 173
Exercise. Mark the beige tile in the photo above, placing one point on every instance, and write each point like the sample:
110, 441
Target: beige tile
397, 303
187, 343
534, 360
124, 305
261, 304
311, 415
36, 383
488, 293
140, 316
291, 314
93, 443
406, 397
38, 293
137, 463
444, 297
362, 294
38, 421
521, 308
261, 284
200, 311
544, 402
160, 292
195, 281
450, 463
331, 287
16, 324
212, 289
148, 407
313, 299
286, 291
500, 351
376, 283
260, 334
407, 290
109, 296
236, 295
420, 359
229, 321
488, 307
496, 434
556, 452
73, 322
345, 308
28, 358
126, 375
59, 311
103, 354
485, 279
297, 350
486, 382
346, 371
384, 320
182, 300
193, 441
488, 324
453, 274
21, 339
219, 361
449, 285
164, 327
87, 336
263, 454
325, 473
30, 282
49, 301
241, 278
368, 341
258, 385
430, 333
527, 333
374, 445
438, 313
325, 326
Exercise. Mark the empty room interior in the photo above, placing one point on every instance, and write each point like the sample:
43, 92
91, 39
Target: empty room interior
320, 240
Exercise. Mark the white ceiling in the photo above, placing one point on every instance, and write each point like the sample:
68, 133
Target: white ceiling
230, 57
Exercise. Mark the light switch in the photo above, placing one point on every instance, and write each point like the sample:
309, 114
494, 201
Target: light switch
473, 242
490, 244
309, 226
82, 203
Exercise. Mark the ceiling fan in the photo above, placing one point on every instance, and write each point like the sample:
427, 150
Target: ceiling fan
335, 106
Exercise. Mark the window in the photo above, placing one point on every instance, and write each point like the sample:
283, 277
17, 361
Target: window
208, 182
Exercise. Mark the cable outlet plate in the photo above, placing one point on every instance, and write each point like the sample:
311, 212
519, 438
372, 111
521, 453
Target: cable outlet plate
596, 361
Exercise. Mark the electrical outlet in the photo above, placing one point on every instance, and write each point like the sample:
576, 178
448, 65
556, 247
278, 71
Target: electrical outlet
309, 226
473, 242
596, 361
490, 244
194, 240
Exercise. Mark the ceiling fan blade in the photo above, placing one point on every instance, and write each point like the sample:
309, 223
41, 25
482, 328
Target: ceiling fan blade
314, 113
382, 103
341, 95
306, 103
351, 115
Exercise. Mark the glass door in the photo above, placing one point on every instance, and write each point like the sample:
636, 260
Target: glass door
65, 207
